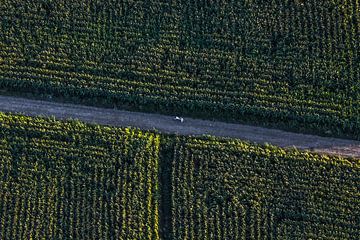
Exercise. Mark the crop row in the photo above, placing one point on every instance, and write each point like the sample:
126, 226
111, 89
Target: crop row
63, 180
235, 190
72, 181
294, 63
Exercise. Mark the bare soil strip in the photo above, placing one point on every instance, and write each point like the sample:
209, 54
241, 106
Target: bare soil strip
167, 124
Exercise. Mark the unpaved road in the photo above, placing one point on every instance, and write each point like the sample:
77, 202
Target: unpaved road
167, 124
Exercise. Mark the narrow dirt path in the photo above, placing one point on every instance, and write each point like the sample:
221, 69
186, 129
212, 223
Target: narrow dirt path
167, 124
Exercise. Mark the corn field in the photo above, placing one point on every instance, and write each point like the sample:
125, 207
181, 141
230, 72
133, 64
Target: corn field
235, 190
70, 180
294, 63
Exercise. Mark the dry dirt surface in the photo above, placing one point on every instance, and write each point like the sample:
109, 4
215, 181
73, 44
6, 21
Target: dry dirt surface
168, 124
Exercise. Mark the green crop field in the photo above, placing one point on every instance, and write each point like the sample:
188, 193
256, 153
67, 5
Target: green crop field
295, 63
73, 181
69, 180
235, 190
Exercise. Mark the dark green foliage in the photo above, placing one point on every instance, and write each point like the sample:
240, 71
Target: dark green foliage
235, 190
292, 64
75, 181
69, 180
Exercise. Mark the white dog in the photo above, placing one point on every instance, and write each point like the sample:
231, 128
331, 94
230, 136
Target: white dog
179, 119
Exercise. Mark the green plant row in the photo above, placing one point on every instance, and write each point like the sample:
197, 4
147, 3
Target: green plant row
236, 190
70, 180
291, 64
75, 181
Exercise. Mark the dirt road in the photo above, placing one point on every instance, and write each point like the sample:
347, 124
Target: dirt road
167, 124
